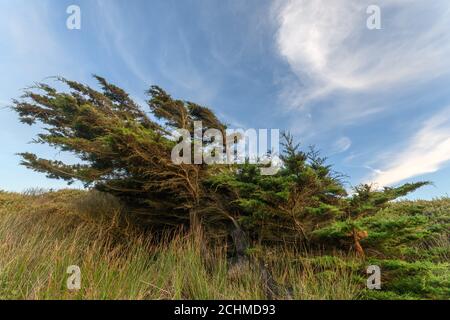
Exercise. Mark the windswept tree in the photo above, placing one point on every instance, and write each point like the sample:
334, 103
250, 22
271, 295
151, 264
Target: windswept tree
366, 201
289, 205
127, 152
305, 202
122, 149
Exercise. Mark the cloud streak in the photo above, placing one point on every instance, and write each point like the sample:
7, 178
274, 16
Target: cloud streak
426, 152
113, 27
342, 145
329, 47
344, 73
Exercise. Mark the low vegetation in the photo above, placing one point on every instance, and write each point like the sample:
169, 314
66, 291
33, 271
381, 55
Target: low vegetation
150, 227
42, 233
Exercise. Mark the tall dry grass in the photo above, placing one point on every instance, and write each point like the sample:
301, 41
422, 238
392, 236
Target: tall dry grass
42, 233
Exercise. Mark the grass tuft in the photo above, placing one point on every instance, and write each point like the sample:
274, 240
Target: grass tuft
43, 233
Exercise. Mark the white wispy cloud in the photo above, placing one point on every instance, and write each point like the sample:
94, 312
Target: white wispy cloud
27, 39
329, 47
426, 152
26, 28
344, 73
4, 103
111, 28
342, 145
170, 54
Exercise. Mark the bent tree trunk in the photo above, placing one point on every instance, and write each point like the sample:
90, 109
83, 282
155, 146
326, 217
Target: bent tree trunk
194, 220
241, 245
359, 249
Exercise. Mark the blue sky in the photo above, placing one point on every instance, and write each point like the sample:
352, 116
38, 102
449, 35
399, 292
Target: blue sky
376, 102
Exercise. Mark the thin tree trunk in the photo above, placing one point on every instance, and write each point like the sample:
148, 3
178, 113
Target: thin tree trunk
194, 221
359, 249
242, 262
241, 244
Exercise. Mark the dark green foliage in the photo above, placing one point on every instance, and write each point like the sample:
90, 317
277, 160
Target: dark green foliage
413, 280
122, 150
409, 240
392, 229
287, 206
305, 202
125, 152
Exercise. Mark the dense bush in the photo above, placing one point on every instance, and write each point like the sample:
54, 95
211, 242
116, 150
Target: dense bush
122, 150
126, 152
41, 235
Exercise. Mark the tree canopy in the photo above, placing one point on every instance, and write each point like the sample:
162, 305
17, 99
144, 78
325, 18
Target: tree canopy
125, 151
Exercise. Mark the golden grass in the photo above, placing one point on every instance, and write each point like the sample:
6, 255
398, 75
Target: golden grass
41, 234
